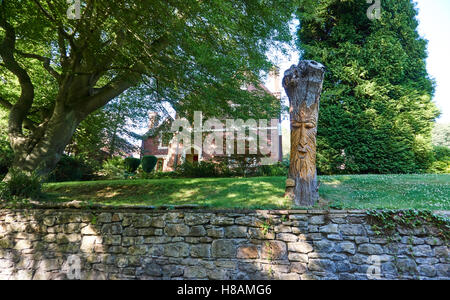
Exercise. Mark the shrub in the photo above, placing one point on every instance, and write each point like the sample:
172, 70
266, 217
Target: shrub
113, 168
441, 163
70, 168
278, 169
6, 157
149, 163
131, 164
21, 185
200, 169
4, 191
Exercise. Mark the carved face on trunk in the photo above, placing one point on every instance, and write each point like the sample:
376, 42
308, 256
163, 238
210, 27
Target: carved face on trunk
303, 85
304, 129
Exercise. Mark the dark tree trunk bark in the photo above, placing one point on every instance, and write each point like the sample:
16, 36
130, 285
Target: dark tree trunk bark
303, 85
43, 150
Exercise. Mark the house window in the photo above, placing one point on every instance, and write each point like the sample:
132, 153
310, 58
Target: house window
164, 140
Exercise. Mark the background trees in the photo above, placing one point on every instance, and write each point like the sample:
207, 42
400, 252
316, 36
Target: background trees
376, 111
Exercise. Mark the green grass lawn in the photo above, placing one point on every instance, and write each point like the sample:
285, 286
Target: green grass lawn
355, 191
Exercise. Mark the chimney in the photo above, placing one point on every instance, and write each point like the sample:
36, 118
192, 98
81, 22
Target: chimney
152, 118
276, 81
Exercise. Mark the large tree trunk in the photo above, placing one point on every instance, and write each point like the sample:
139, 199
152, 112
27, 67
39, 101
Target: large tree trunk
303, 85
42, 151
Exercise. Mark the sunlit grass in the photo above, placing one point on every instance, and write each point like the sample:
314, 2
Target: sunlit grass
424, 191
346, 191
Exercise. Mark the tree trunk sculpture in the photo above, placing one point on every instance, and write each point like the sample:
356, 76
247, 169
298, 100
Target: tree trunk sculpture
303, 85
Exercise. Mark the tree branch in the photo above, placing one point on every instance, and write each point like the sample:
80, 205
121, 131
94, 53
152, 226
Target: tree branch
18, 111
45, 61
27, 122
113, 89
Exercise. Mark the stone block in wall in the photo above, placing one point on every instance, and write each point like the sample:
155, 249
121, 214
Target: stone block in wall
197, 230
298, 257
104, 218
176, 249
223, 249
176, 230
194, 272
441, 252
323, 265
406, 266
287, 237
221, 220
274, 250
370, 249
261, 234
112, 228
236, 232
323, 246
300, 247
215, 232
317, 220
346, 247
352, 229
422, 251
201, 250
197, 219
298, 267
247, 252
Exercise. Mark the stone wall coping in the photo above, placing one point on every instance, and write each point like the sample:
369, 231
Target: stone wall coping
77, 206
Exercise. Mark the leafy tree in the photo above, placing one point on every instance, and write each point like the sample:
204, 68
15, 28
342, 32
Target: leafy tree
58, 71
108, 131
376, 111
6, 154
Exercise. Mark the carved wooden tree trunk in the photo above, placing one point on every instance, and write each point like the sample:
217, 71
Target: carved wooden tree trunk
303, 85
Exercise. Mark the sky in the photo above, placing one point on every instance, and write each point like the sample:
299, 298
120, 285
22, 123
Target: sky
434, 26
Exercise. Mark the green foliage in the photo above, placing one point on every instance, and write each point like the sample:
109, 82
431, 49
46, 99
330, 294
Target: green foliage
191, 55
376, 110
278, 169
387, 221
441, 163
197, 170
6, 157
149, 163
21, 185
131, 164
6, 153
70, 168
113, 168
4, 191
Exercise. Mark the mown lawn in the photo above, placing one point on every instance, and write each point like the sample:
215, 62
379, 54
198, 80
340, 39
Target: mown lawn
355, 191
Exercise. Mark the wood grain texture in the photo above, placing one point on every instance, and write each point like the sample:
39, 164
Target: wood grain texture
303, 85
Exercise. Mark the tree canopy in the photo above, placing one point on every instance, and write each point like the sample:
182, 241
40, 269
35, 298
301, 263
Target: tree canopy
376, 111
56, 71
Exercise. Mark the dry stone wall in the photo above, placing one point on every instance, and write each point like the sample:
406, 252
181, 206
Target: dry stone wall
145, 244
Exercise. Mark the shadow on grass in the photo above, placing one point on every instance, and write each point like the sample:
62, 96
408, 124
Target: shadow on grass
211, 192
